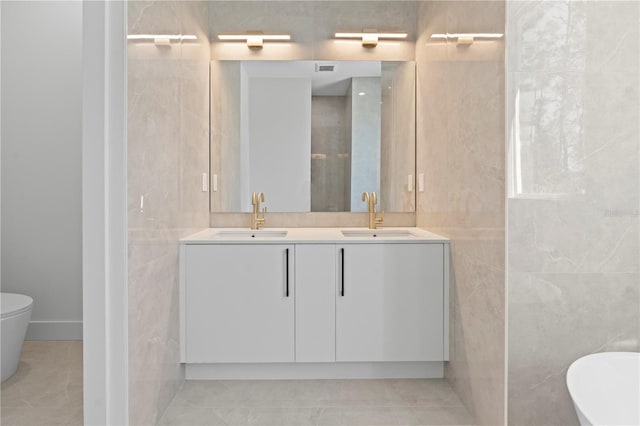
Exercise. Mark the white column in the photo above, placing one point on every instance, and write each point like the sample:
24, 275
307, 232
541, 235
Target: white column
104, 213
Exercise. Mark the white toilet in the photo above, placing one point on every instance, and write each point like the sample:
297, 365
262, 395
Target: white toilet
16, 313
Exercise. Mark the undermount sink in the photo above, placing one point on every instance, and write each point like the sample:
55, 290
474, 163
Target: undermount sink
377, 233
250, 234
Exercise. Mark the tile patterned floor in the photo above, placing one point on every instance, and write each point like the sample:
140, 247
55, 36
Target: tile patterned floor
47, 389
317, 402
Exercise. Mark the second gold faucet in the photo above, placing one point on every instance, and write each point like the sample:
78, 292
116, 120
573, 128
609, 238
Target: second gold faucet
257, 220
372, 200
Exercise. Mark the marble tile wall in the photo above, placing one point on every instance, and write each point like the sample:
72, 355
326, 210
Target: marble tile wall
573, 113
312, 25
314, 219
460, 151
168, 149
398, 156
225, 130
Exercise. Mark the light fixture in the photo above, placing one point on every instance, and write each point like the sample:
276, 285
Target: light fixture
254, 39
370, 37
467, 38
161, 39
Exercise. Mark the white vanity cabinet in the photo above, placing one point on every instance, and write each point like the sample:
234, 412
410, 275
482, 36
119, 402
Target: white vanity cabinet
315, 306
238, 305
390, 304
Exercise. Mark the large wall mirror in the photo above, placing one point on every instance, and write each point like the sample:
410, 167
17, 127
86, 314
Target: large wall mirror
312, 135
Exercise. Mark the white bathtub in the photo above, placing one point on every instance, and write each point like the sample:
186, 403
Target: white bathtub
605, 388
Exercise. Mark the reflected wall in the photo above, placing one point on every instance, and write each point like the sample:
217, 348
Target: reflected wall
573, 248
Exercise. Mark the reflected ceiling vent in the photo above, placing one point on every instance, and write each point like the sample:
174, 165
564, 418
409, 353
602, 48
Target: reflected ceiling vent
324, 67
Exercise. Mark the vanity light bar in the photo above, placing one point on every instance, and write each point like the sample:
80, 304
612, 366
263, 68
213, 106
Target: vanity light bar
244, 37
467, 38
370, 38
379, 35
255, 40
171, 37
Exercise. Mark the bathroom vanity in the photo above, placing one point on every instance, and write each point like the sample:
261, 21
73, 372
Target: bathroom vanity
314, 303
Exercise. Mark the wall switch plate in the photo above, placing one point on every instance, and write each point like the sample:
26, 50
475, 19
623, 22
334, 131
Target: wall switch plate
410, 183
205, 186
421, 182
215, 182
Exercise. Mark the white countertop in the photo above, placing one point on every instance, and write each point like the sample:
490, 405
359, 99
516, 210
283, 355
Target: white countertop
312, 236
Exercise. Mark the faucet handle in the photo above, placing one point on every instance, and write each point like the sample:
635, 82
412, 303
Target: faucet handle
379, 219
261, 217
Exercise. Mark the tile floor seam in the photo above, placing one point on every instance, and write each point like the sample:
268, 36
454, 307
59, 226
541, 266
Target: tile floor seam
44, 389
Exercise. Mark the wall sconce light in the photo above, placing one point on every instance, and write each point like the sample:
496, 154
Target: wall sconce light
370, 37
467, 38
161, 39
254, 40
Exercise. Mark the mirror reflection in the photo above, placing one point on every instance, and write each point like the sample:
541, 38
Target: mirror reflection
312, 135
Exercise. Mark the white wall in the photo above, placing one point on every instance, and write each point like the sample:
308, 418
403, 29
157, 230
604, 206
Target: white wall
41, 162
280, 134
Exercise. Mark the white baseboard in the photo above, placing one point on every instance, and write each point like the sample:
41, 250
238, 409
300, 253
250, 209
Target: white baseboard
54, 330
338, 370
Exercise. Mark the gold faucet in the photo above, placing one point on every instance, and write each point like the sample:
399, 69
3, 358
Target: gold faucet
372, 200
257, 220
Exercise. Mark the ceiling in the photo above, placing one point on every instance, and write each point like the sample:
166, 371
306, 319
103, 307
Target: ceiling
324, 83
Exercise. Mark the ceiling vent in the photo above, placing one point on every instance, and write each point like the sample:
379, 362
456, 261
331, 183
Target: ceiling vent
324, 67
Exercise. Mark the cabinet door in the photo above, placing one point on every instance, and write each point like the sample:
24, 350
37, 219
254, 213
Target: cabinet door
237, 306
315, 303
390, 302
